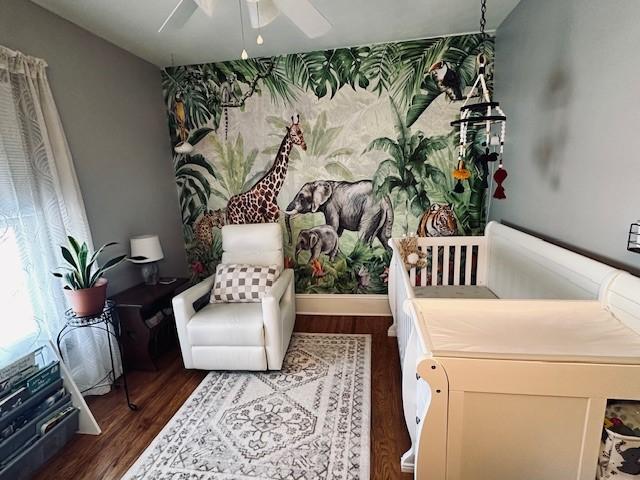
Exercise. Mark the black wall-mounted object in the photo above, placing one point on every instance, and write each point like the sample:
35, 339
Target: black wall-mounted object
633, 242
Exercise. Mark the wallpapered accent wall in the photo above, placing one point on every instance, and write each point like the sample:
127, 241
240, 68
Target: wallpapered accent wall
369, 157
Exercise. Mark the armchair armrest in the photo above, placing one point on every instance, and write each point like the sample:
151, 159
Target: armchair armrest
183, 310
278, 313
279, 287
191, 295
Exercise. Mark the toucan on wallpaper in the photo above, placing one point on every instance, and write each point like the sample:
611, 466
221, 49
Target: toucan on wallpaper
345, 148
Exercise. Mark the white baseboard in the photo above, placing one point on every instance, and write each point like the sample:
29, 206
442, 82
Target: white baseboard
340, 304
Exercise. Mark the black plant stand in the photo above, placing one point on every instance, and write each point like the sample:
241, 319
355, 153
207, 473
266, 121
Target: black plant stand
108, 317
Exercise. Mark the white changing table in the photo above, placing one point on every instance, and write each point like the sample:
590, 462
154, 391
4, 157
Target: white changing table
517, 389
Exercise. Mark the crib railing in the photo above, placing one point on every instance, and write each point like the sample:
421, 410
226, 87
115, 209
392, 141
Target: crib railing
400, 290
449, 261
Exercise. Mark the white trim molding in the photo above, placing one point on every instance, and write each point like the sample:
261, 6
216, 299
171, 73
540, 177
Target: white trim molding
341, 304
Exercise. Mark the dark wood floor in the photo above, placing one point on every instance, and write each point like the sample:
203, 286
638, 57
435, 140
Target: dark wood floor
159, 395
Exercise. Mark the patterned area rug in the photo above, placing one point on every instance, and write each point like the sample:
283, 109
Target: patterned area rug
309, 421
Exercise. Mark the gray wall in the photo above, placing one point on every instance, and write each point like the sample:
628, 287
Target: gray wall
112, 110
567, 76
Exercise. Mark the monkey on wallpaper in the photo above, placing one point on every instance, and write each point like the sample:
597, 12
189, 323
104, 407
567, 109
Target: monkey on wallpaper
228, 96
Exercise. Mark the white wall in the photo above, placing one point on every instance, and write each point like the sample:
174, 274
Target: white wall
568, 77
112, 110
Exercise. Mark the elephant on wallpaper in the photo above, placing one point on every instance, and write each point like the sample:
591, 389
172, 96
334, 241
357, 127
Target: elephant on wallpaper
318, 240
349, 206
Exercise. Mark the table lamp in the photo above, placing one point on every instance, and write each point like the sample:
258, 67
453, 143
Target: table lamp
147, 246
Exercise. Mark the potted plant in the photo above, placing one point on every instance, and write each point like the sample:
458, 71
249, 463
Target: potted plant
86, 288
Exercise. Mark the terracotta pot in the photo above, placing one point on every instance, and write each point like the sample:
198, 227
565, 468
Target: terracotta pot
88, 301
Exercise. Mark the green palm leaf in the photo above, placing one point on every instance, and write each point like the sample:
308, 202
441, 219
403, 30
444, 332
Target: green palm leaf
416, 57
387, 145
340, 152
196, 160
198, 135
303, 68
386, 171
379, 66
190, 172
419, 103
200, 193
338, 170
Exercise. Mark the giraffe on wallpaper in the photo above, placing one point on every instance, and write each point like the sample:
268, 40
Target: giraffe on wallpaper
259, 204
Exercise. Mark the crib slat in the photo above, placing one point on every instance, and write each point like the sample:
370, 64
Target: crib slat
481, 269
434, 265
445, 266
456, 264
468, 263
423, 270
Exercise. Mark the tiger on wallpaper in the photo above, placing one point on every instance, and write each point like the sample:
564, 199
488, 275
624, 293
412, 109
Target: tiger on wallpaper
438, 221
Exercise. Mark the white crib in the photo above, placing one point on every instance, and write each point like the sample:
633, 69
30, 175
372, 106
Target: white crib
490, 281
434, 281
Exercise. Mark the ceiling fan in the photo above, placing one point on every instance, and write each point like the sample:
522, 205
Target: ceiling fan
261, 12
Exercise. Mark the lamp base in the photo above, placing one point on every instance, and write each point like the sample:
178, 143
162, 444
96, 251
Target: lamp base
150, 273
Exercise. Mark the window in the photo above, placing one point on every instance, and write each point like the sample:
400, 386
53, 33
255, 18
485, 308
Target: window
17, 312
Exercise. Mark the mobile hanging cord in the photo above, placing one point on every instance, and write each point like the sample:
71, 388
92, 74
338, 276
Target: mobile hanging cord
485, 111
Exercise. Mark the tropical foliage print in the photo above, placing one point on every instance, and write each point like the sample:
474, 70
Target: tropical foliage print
376, 125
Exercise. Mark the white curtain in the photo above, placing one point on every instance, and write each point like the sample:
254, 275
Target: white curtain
40, 204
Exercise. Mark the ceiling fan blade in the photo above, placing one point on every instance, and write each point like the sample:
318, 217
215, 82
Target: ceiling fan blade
179, 15
207, 6
305, 16
268, 11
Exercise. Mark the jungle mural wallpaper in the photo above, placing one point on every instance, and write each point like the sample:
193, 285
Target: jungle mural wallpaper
345, 148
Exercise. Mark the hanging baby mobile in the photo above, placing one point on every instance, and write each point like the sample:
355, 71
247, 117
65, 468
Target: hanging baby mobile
474, 115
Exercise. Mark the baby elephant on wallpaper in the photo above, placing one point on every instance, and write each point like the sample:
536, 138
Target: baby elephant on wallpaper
347, 206
317, 240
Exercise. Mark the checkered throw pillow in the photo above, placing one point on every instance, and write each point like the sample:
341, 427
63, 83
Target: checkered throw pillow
242, 283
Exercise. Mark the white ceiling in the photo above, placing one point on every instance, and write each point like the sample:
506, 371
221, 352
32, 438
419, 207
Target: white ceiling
133, 25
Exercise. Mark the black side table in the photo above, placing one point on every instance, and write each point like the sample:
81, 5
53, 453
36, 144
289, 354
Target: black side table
102, 321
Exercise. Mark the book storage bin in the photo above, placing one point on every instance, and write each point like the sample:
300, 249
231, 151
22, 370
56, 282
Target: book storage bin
22, 436
25, 464
37, 416
620, 450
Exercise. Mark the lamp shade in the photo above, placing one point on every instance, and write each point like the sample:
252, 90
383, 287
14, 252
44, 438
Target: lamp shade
146, 246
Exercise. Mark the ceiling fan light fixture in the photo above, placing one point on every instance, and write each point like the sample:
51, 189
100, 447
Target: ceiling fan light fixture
244, 55
259, 39
268, 12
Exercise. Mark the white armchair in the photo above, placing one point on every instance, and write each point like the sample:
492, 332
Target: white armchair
239, 336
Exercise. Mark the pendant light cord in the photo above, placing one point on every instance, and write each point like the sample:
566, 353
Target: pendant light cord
258, 15
241, 22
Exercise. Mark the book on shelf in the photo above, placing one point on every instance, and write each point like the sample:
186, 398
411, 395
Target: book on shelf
54, 419
13, 400
44, 377
8, 385
25, 417
25, 387
22, 363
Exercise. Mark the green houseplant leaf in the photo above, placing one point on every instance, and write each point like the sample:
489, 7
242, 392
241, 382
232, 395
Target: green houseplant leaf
82, 270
